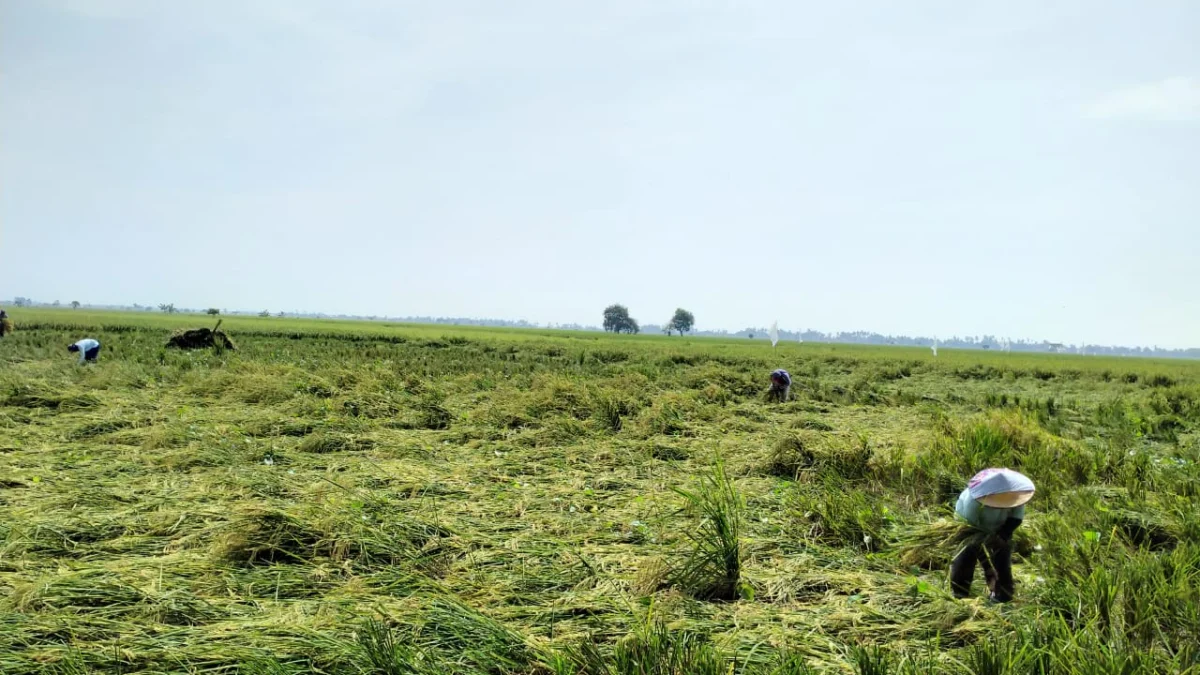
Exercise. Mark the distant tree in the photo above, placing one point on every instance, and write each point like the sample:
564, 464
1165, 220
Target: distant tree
22, 302
212, 311
281, 315
264, 314
169, 309
74, 304
616, 318
56, 304
682, 321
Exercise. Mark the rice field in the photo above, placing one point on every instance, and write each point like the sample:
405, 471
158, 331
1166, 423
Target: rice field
352, 498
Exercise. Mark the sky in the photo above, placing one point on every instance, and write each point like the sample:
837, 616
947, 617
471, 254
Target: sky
1021, 169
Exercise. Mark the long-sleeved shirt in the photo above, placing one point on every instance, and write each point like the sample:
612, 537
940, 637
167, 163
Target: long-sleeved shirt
85, 345
986, 518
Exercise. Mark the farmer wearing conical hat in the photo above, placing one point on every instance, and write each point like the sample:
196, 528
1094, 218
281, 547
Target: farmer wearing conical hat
993, 504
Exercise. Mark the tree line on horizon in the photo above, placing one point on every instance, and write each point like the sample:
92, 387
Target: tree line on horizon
687, 326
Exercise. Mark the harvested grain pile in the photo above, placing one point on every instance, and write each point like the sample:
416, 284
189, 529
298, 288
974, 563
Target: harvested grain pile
201, 338
933, 545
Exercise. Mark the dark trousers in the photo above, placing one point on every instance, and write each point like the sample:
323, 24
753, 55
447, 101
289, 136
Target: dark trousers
91, 354
995, 556
779, 392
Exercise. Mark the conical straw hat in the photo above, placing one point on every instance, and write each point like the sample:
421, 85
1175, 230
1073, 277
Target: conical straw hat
1006, 500
1001, 488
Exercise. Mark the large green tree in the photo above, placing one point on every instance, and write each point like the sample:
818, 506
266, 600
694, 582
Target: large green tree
617, 320
682, 321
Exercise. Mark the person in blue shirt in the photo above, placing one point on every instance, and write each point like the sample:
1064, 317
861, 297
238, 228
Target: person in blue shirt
994, 505
781, 385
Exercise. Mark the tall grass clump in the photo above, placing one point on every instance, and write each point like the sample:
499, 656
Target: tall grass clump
790, 454
431, 410
386, 653
793, 454
463, 636
653, 649
834, 514
610, 408
712, 569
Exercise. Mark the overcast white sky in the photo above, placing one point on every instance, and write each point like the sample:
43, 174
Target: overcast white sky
1018, 168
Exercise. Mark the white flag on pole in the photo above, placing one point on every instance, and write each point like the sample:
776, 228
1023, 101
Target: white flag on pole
774, 333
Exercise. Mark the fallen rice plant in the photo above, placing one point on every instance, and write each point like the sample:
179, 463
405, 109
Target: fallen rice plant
350, 498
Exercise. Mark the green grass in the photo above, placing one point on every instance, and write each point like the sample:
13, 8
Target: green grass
345, 497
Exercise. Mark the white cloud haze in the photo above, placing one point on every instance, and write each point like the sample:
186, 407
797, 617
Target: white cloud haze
920, 168
1174, 99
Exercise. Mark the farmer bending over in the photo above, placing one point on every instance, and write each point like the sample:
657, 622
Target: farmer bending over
5, 324
994, 505
781, 385
88, 350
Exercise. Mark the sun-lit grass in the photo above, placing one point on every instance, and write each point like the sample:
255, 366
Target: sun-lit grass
352, 497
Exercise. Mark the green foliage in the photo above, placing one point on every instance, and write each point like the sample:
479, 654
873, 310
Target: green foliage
332, 442
832, 514
795, 454
500, 501
431, 411
682, 321
712, 569
653, 649
617, 320
790, 454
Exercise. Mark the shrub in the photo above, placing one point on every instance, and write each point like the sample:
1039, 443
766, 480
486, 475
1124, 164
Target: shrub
1160, 380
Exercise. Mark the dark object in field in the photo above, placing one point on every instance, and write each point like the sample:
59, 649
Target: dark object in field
781, 386
994, 554
6, 324
201, 338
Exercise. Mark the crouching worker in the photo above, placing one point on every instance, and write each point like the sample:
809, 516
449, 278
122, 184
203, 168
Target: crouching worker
6, 325
781, 385
88, 349
994, 505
